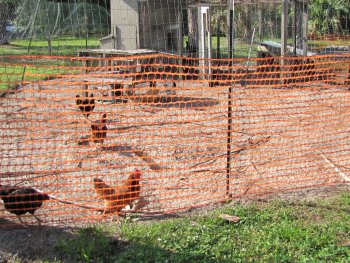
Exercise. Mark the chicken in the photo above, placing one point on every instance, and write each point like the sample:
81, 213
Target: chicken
87, 105
99, 129
22, 200
115, 199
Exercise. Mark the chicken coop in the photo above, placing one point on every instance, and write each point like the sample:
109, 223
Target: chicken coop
153, 108
209, 26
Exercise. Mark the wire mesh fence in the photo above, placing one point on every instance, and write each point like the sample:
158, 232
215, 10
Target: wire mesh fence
61, 27
155, 134
158, 120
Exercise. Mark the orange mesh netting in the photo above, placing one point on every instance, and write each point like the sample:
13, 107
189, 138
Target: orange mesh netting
198, 131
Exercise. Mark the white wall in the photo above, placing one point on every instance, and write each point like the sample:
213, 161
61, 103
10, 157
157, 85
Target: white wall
125, 23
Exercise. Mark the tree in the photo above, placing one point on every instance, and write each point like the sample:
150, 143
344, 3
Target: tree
326, 16
48, 19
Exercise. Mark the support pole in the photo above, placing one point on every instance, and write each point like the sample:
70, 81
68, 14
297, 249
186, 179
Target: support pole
231, 29
301, 24
284, 28
202, 44
180, 29
305, 26
217, 35
229, 109
284, 37
261, 21
209, 44
294, 26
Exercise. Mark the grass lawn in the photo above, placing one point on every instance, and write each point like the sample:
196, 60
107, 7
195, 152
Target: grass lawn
60, 47
277, 231
320, 44
11, 74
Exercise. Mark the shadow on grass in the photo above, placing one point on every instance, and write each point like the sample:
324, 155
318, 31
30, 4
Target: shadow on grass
91, 244
26, 244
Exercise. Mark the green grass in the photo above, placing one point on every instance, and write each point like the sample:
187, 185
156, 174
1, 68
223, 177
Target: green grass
41, 70
60, 47
68, 41
12, 74
320, 44
92, 243
268, 232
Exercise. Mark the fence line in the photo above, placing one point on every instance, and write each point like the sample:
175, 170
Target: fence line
167, 117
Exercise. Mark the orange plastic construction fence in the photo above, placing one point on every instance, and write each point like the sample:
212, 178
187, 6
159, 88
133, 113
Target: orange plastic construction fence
88, 138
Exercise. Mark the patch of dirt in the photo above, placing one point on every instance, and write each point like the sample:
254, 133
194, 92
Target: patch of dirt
32, 244
282, 140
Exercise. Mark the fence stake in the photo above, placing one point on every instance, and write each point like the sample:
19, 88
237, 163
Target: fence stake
229, 139
229, 108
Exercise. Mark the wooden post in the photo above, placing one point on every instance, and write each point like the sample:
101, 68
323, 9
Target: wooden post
217, 35
301, 24
298, 24
284, 28
294, 26
305, 26
179, 30
261, 22
284, 37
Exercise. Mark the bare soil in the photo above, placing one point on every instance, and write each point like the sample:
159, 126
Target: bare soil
282, 140
286, 143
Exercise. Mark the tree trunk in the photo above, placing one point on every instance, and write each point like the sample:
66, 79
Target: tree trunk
49, 42
248, 22
192, 32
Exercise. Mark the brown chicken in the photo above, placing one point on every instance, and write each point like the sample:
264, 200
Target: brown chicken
116, 198
86, 105
99, 129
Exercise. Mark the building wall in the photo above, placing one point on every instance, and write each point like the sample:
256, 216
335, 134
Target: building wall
125, 23
150, 24
159, 24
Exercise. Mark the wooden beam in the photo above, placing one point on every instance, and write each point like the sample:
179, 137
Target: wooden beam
105, 3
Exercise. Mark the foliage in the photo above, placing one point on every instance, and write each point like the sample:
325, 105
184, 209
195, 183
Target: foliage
43, 19
329, 16
219, 22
